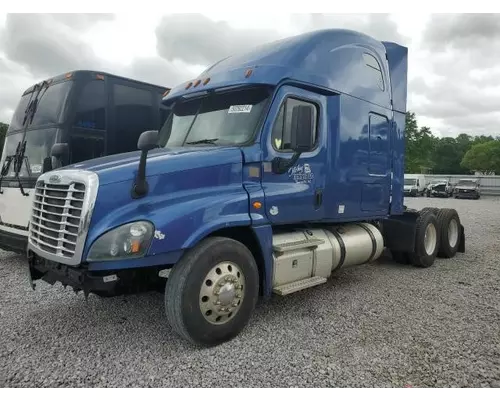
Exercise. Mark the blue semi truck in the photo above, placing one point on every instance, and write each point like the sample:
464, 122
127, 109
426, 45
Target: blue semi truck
275, 168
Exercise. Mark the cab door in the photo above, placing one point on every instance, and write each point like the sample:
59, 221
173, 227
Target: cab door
296, 194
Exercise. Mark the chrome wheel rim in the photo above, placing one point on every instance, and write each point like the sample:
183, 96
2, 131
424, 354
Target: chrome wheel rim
222, 293
430, 239
453, 232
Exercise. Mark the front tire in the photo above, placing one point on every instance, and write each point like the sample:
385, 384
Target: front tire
212, 291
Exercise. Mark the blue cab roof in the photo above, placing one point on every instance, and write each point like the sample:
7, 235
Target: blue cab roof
332, 60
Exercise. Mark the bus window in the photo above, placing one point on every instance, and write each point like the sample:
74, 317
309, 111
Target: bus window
133, 115
86, 148
91, 109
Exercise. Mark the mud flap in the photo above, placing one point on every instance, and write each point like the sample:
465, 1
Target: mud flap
461, 245
399, 231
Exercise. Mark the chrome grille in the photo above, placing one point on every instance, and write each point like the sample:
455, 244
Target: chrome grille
56, 218
62, 207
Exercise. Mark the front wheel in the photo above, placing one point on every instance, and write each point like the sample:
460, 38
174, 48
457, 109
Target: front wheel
212, 291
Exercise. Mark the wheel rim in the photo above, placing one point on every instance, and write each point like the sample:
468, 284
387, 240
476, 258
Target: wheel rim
222, 292
430, 239
453, 232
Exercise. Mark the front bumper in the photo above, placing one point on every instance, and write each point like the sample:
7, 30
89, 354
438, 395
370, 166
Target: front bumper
79, 278
106, 283
439, 193
412, 192
466, 195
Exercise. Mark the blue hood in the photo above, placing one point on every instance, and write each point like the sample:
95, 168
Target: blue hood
123, 167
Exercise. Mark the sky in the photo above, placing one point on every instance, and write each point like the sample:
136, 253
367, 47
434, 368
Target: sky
453, 77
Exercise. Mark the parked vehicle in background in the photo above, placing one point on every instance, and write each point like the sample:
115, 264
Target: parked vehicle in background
63, 120
439, 188
414, 185
467, 189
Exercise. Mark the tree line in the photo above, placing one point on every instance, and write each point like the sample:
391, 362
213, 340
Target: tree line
465, 154
427, 153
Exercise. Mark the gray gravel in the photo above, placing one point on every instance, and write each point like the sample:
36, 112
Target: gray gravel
377, 325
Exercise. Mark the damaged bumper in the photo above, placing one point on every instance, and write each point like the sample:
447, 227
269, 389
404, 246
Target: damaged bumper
79, 278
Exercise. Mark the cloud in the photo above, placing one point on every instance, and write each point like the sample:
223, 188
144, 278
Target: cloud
462, 31
82, 21
157, 71
45, 45
380, 26
196, 39
464, 95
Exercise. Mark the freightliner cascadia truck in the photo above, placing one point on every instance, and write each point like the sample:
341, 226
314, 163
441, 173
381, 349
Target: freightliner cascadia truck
275, 168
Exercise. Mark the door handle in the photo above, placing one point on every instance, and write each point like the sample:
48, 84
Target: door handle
318, 198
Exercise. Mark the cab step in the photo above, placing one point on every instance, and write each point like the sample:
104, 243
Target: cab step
293, 287
301, 244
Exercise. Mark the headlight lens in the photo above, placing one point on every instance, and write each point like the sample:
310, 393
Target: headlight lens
127, 241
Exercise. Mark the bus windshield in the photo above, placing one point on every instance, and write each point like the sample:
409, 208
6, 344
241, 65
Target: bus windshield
38, 146
49, 108
221, 119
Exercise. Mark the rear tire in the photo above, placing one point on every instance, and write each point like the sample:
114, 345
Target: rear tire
426, 240
212, 291
449, 228
434, 210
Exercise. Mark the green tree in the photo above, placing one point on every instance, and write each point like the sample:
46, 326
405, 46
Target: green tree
419, 144
483, 157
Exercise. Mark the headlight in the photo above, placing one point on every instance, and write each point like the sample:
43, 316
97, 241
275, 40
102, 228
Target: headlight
127, 241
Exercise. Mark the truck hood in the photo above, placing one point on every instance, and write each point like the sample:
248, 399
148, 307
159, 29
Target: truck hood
123, 167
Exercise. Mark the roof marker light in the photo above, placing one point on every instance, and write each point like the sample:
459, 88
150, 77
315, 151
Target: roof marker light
248, 72
206, 81
197, 83
189, 85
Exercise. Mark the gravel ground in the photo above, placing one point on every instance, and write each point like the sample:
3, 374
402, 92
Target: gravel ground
381, 324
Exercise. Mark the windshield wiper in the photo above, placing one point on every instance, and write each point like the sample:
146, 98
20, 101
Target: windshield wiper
203, 141
18, 164
18, 157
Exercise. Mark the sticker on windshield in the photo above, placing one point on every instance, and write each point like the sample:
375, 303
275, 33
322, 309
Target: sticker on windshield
244, 108
36, 168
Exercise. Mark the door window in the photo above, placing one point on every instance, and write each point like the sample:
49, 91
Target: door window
282, 129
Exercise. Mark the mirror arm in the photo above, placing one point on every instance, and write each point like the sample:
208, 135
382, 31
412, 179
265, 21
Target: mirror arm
281, 165
141, 187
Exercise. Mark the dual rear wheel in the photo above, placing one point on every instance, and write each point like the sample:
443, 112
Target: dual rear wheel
437, 234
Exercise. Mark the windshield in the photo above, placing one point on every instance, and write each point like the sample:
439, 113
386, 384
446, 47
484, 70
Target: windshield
410, 182
222, 119
49, 109
38, 146
466, 183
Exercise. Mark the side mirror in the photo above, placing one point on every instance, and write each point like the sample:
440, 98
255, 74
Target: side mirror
302, 134
60, 151
47, 164
148, 141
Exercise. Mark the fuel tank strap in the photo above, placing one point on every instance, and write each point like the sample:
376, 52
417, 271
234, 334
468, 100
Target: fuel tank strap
374, 241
